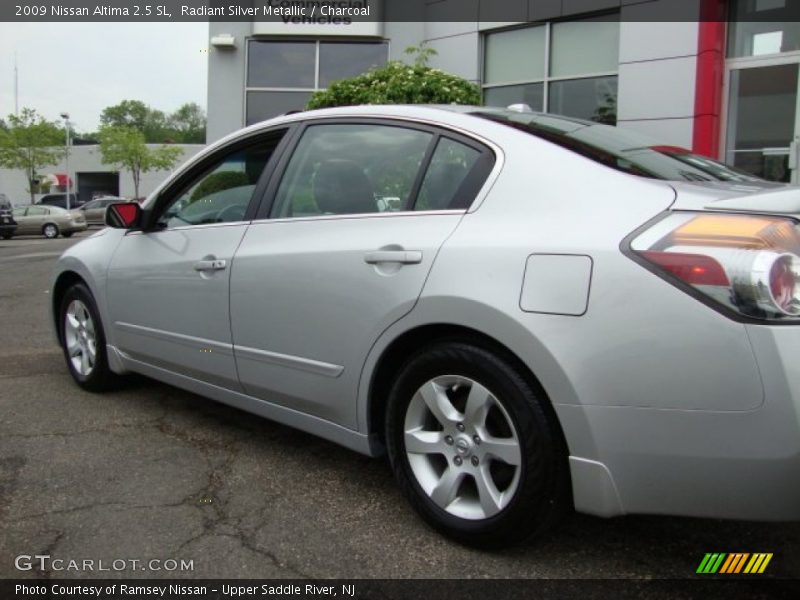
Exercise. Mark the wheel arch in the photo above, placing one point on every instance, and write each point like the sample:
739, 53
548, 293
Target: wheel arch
63, 282
405, 345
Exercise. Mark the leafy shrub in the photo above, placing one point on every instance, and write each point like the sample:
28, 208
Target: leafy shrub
398, 83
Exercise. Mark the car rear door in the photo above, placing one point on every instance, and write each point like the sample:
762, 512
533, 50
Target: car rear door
168, 286
339, 253
34, 219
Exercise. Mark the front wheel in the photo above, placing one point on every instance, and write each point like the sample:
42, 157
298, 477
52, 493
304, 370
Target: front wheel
50, 231
474, 447
83, 340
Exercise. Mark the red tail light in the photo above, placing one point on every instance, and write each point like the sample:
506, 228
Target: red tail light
694, 269
746, 263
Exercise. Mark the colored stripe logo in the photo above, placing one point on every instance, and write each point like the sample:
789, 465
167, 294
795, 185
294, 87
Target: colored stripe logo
734, 563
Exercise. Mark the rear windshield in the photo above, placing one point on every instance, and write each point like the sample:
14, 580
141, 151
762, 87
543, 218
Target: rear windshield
620, 149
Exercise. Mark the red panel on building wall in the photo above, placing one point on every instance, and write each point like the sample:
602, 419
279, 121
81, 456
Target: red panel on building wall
710, 78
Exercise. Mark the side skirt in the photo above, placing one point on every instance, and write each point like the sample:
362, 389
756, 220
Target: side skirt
348, 438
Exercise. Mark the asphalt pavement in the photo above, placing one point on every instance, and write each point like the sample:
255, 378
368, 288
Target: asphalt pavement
153, 472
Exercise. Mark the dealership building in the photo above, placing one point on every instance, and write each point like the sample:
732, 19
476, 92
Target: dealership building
718, 77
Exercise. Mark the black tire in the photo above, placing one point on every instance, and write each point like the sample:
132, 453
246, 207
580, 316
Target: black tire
101, 378
50, 231
67, 235
543, 491
7, 236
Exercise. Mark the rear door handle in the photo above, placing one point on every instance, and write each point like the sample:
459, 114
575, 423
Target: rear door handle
217, 264
404, 257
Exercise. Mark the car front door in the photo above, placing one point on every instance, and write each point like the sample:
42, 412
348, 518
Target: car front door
341, 253
21, 219
93, 211
168, 285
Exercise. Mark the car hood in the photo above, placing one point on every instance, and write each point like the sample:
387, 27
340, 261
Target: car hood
757, 197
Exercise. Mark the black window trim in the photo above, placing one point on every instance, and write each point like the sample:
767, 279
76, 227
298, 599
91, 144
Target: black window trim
488, 157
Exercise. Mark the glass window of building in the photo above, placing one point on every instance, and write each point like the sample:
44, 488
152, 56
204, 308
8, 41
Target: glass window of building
568, 68
763, 27
282, 74
763, 84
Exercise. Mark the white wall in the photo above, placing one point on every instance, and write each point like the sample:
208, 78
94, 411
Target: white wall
87, 159
658, 72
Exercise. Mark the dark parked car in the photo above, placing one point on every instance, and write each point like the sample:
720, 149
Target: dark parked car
7, 223
61, 200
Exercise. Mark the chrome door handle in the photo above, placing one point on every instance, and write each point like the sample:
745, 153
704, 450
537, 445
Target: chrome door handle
405, 257
217, 264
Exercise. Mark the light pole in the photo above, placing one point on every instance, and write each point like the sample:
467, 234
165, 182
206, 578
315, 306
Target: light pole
65, 116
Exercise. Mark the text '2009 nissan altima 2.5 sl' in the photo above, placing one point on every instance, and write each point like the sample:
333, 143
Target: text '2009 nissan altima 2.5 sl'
529, 313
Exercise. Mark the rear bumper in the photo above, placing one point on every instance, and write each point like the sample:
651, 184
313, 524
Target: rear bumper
736, 464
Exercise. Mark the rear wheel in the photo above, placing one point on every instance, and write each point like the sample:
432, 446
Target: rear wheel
83, 340
7, 236
50, 231
474, 447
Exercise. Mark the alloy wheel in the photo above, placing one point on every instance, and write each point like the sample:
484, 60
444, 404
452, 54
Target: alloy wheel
462, 447
80, 338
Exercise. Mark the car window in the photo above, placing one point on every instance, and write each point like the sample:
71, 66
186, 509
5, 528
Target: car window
91, 204
37, 211
220, 193
620, 149
451, 164
19, 212
351, 168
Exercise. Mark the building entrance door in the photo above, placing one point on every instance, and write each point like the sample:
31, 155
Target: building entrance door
763, 126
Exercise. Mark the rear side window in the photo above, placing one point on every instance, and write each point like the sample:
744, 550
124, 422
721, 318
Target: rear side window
342, 169
447, 173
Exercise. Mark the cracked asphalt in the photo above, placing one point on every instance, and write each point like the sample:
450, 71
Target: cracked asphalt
152, 471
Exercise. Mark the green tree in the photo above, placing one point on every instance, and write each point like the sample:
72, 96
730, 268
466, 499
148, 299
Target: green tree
126, 148
399, 83
29, 143
188, 124
137, 115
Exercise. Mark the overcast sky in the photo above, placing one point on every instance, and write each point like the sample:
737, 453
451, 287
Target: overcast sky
81, 68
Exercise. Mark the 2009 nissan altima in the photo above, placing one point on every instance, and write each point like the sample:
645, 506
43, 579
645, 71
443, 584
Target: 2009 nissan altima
529, 313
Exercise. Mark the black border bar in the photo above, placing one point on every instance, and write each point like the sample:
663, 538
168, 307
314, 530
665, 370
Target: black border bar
343, 12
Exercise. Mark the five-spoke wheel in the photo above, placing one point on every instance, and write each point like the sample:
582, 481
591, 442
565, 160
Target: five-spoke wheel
83, 340
80, 338
462, 447
475, 446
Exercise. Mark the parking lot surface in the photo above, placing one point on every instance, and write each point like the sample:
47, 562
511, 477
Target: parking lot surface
153, 472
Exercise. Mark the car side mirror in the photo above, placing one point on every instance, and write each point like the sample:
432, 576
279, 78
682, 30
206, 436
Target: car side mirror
124, 215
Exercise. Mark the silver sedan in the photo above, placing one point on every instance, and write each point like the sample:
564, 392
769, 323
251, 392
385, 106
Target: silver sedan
49, 221
529, 313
